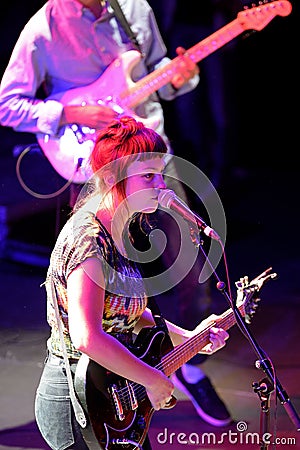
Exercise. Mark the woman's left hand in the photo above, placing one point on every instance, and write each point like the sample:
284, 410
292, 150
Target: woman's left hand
187, 69
217, 335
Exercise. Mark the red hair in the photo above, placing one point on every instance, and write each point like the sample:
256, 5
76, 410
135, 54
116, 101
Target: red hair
122, 138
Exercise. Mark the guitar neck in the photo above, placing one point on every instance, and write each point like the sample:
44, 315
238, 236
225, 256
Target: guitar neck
184, 352
160, 77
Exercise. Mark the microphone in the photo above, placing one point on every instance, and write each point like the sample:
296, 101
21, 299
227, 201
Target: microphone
168, 199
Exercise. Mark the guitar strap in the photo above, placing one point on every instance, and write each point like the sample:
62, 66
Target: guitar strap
123, 21
78, 410
157, 315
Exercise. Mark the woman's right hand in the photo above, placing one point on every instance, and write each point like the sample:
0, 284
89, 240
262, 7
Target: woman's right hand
160, 390
92, 116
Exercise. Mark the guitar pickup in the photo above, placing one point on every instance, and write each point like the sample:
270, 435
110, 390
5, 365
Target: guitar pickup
109, 101
82, 133
132, 397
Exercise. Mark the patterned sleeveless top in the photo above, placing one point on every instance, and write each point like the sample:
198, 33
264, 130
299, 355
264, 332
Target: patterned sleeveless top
83, 237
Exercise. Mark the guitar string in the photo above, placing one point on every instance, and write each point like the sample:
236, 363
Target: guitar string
140, 389
178, 354
167, 362
197, 53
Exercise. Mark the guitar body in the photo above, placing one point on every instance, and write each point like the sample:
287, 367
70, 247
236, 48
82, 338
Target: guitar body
69, 151
118, 410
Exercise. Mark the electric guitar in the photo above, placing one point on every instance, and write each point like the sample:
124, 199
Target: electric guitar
69, 151
119, 411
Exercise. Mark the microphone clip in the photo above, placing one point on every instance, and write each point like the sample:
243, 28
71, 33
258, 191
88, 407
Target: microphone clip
195, 236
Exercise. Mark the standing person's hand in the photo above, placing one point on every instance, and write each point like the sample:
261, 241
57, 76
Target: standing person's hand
187, 69
93, 116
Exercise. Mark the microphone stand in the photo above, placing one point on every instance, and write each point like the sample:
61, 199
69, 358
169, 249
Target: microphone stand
267, 385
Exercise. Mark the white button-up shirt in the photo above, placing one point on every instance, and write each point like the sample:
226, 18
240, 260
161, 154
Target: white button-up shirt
63, 46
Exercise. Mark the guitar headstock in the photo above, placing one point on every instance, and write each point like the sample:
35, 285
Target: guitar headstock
247, 292
258, 17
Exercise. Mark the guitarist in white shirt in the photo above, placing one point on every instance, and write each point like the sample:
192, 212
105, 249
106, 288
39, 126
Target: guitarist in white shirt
69, 44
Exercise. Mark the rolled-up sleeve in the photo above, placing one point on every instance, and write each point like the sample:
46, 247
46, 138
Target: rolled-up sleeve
49, 117
26, 72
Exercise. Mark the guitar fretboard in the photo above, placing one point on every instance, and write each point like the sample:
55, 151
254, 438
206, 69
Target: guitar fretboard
254, 18
160, 77
184, 352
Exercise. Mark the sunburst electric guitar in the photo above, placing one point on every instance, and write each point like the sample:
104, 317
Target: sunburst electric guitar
118, 410
69, 151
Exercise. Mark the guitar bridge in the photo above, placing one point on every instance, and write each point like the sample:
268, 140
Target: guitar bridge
129, 398
117, 403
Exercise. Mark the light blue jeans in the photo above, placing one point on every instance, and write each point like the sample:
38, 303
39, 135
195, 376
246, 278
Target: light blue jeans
54, 412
